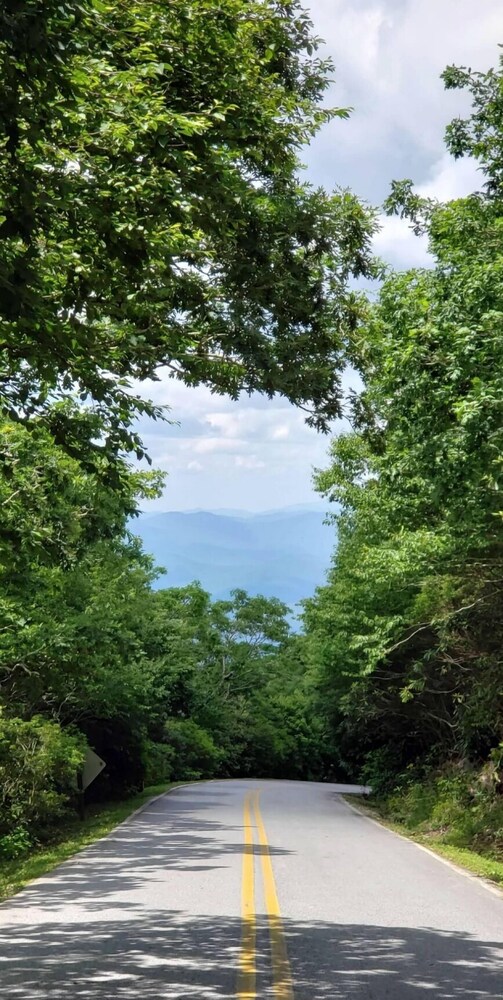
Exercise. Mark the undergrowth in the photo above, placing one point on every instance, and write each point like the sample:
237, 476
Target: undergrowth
454, 812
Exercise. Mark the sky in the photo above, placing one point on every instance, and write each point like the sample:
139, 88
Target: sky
258, 454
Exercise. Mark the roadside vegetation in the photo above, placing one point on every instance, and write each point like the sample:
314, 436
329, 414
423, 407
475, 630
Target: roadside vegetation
406, 638
152, 218
436, 815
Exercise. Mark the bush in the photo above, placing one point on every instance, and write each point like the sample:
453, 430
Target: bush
454, 806
38, 765
157, 762
195, 755
381, 770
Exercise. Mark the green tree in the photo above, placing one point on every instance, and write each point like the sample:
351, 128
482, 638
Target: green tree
152, 212
407, 634
66, 568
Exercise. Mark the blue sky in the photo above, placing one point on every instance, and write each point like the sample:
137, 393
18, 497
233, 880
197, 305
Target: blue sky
258, 454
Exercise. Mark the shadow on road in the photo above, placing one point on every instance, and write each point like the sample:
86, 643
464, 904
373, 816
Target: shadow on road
94, 939
137, 852
166, 954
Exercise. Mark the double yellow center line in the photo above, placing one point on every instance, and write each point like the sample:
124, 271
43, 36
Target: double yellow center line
247, 972
247, 964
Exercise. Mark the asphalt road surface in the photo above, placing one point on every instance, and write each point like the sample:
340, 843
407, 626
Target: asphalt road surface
244, 889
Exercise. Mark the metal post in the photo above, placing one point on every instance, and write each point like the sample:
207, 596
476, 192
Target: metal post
80, 798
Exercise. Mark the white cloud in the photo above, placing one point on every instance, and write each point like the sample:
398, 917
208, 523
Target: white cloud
397, 245
210, 445
389, 55
361, 27
248, 462
268, 420
227, 423
280, 433
449, 179
424, 37
268, 437
171, 392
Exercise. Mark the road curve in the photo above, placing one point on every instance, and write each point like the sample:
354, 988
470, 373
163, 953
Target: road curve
252, 889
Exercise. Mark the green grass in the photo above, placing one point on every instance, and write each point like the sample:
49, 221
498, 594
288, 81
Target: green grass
487, 868
478, 864
72, 836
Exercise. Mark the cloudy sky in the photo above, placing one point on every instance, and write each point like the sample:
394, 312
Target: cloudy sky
388, 54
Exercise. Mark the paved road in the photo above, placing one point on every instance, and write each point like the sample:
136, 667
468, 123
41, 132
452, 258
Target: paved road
216, 891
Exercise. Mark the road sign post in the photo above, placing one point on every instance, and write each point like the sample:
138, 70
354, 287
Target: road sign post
80, 796
91, 768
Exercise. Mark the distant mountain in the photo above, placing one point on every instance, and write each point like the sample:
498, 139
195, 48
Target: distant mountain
280, 553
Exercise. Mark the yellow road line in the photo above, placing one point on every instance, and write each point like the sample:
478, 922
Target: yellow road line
282, 976
246, 983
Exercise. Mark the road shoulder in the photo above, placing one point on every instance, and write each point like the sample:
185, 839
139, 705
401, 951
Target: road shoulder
474, 866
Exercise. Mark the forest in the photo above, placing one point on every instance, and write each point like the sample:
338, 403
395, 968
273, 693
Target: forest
153, 215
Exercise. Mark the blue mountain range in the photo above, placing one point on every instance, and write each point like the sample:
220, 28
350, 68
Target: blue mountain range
279, 553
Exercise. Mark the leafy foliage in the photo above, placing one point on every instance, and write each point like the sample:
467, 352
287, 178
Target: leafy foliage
38, 766
152, 213
406, 637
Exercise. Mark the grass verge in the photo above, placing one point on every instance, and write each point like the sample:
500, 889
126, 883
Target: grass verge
477, 864
72, 836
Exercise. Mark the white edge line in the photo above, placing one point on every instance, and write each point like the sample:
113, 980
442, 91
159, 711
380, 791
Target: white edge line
478, 879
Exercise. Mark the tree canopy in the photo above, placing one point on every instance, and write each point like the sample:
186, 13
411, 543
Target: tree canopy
152, 212
406, 636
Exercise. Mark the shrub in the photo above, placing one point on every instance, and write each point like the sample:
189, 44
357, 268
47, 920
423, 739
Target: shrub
381, 770
195, 755
38, 765
452, 805
157, 762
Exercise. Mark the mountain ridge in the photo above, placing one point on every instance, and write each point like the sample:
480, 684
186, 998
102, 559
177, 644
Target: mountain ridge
282, 553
